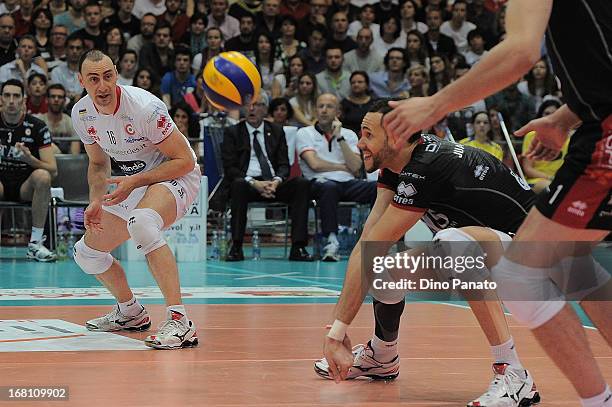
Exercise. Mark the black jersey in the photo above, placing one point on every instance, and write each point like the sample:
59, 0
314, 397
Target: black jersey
32, 132
459, 186
579, 42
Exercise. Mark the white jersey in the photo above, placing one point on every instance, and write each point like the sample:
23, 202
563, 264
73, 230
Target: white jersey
130, 135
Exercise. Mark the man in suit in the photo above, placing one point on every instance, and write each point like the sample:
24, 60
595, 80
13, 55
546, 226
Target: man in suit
256, 168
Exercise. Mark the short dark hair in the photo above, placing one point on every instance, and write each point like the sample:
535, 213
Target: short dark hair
362, 73
13, 82
40, 76
55, 86
404, 57
182, 50
74, 37
382, 106
161, 24
320, 28
474, 33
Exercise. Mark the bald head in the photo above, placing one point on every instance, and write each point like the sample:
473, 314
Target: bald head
327, 109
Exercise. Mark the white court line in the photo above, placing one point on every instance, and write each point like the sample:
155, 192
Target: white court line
267, 275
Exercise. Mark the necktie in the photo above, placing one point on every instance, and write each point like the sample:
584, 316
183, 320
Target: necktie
266, 173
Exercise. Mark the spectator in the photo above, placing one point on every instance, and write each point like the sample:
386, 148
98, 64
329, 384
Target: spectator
187, 123
67, 73
482, 136
267, 64
115, 44
539, 82
358, 102
286, 44
460, 122
304, 102
8, 43
58, 122
392, 81
178, 21
385, 9
477, 47
366, 20
409, 23
59, 34
342, 6
457, 27
158, 56
23, 18
436, 41
390, 35
520, 108
27, 163
108, 8
147, 31
41, 31
281, 112
419, 82
334, 79
316, 17
142, 7
24, 66
246, 41
296, 8
147, 80
339, 36
229, 26
195, 37
241, 8
269, 20
500, 26
540, 173
256, 168
484, 19
363, 58
329, 158
214, 39
36, 100
58, 6
416, 50
313, 54
92, 34
127, 22
74, 18
127, 67
9, 6
439, 73
176, 84
286, 84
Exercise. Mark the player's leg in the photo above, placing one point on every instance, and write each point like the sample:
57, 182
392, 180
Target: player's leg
37, 189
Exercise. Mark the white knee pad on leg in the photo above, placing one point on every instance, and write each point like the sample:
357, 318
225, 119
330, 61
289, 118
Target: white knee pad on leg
91, 261
457, 244
145, 228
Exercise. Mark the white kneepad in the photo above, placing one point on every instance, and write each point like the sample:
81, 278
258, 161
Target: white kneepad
145, 228
457, 244
90, 260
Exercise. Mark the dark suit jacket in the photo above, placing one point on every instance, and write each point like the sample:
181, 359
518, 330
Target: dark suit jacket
446, 46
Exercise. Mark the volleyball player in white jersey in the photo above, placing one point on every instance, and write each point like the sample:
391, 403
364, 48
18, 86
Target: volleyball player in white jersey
132, 128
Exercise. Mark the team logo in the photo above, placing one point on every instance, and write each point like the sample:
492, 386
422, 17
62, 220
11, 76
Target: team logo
578, 208
481, 171
129, 129
161, 122
406, 190
131, 167
92, 131
28, 132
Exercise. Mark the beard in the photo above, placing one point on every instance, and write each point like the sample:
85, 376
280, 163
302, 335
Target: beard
379, 159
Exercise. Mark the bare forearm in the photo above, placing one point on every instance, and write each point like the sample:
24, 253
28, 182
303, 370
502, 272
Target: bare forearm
353, 161
168, 170
96, 177
353, 292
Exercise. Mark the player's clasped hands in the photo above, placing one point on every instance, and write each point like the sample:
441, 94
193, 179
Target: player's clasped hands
339, 356
125, 185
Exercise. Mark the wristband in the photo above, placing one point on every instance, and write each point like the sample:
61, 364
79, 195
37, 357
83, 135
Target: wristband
338, 331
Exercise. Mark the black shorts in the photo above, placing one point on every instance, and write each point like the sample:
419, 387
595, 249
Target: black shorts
12, 185
579, 196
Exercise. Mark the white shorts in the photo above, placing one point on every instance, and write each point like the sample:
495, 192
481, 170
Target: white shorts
185, 190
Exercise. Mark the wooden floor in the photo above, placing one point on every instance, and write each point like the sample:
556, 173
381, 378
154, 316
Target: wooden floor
262, 355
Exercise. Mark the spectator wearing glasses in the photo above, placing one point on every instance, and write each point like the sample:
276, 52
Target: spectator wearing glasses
147, 30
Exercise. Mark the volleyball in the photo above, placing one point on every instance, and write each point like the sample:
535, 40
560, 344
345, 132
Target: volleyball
231, 80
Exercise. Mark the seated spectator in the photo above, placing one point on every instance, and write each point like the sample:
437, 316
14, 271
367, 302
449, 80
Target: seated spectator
457, 27
115, 44
67, 73
59, 34
419, 82
241, 8
187, 123
385, 9
195, 37
9, 6
366, 20
436, 41
147, 31
329, 159
339, 37
342, 6
8, 43
178, 83
128, 65
540, 173
158, 56
179, 22
58, 6
155, 7
42, 20
92, 34
440, 73
286, 44
408, 14
316, 17
477, 47
127, 22
539, 82
36, 91
314, 53
296, 8
268, 66
74, 18
24, 66
229, 26
390, 35
416, 51
392, 81
484, 19
147, 80
27, 163
357, 103
246, 41
281, 112
286, 84
214, 41
23, 18
269, 20
483, 137
364, 57
521, 108
256, 168
59, 123
334, 79
304, 102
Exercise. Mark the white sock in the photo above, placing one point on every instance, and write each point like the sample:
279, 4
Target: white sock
130, 308
37, 234
171, 312
506, 353
384, 352
332, 238
603, 399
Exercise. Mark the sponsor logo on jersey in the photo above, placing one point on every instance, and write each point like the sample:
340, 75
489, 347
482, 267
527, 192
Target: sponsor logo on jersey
481, 171
406, 190
82, 112
131, 167
89, 118
412, 175
161, 122
131, 140
126, 117
130, 151
129, 129
27, 140
578, 208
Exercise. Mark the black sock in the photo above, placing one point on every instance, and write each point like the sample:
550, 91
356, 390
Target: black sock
387, 317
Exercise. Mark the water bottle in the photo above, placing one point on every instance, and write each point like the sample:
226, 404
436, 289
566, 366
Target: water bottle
70, 245
256, 248
222, 247
214, 243
62, 247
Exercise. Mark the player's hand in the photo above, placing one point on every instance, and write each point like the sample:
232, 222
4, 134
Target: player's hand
125, 186
548, 141
26, 155
93, 217
410, 116
339, 356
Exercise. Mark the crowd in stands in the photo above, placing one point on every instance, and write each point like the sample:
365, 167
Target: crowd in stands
343, 54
